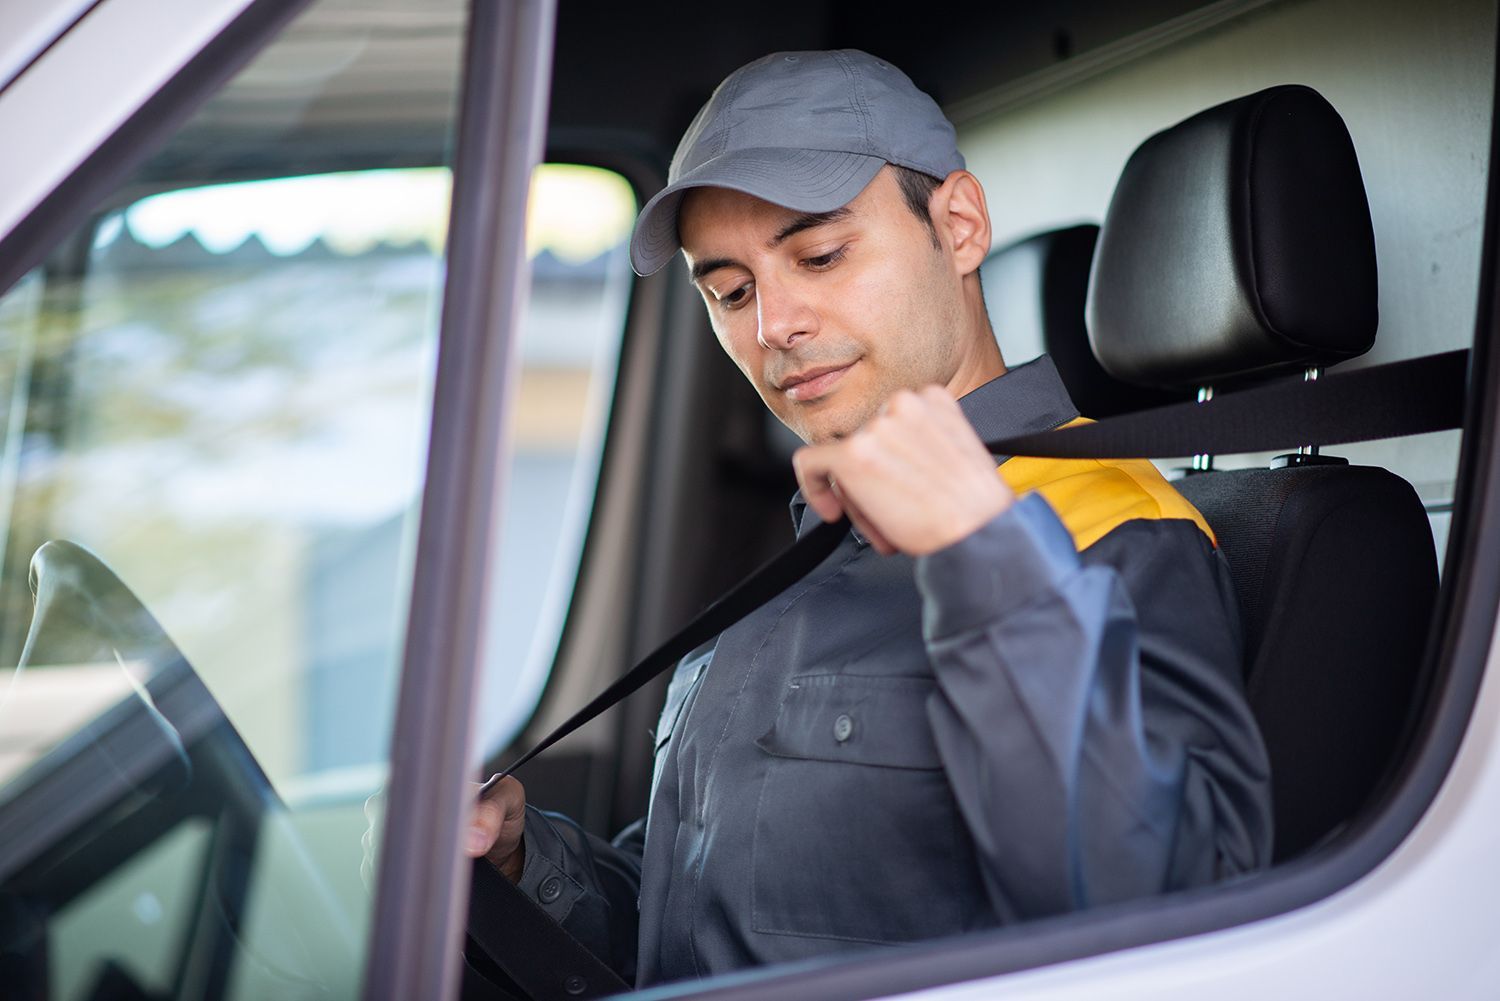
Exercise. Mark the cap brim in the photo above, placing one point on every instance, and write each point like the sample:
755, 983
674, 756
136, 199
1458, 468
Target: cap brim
803, 180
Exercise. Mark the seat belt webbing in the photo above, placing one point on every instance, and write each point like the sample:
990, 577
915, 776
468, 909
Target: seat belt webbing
1383, 401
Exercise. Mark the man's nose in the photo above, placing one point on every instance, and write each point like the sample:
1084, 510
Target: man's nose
785, 316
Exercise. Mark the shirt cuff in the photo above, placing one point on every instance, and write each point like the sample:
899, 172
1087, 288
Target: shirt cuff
1013, 560
544, 877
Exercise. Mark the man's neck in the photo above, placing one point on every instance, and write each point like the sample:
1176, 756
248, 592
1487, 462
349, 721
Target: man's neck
982, 360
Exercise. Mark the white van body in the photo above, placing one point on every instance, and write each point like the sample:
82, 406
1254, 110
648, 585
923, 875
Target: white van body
1419, 924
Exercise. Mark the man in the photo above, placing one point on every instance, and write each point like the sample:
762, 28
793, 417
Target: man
1004, 696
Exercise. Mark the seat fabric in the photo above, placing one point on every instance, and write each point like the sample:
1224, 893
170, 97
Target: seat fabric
1336, 576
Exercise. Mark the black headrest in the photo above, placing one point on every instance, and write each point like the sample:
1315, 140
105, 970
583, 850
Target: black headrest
1035, 290
1237, 242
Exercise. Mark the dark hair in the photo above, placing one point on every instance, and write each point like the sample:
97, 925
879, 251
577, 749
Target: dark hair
917, 188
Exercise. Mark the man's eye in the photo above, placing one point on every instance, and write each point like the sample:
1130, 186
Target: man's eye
735, 297
827, 260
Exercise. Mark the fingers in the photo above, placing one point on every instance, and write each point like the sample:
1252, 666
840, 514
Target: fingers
484, 828
813, 465
914, 479
497, 823
867, 528
947, 414
495, 826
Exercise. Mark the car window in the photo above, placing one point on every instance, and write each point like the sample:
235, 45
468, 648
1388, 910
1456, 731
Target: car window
215, 399
227, 403
579, 220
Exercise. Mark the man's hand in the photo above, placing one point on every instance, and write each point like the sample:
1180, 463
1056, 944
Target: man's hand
496, 826
916, 478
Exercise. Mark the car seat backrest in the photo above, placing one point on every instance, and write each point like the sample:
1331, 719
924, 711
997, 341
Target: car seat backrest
1034, 290
1336, 576
1238, 244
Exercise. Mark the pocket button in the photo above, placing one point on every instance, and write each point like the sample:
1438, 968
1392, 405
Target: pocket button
843, 728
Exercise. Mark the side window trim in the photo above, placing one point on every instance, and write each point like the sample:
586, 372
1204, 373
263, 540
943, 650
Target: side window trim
419, 899
26, 35
147, 128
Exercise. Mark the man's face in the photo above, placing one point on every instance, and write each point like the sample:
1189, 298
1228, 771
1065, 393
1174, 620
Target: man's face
826, 315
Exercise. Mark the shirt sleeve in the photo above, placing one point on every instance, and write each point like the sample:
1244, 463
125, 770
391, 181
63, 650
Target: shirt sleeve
1089, 711
586, 884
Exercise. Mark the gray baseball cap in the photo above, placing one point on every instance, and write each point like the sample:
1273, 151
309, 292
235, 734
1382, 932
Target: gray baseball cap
804, 130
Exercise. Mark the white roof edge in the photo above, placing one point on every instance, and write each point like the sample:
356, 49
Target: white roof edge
88, 83
27, 27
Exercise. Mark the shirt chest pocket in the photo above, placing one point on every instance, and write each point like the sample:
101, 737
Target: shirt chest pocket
856, 830
856, 719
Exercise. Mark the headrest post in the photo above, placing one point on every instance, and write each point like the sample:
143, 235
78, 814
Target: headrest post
1204, 463
1310, 374
1308, 455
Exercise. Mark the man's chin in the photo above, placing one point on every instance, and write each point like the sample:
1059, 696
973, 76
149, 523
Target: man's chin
830, 428
831, 418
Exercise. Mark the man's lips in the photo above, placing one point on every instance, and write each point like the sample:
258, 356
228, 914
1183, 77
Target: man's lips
813, 383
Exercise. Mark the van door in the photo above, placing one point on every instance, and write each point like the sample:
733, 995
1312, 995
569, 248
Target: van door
254, 323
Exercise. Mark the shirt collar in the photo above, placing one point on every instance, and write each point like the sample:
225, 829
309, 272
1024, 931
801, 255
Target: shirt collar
1027, 398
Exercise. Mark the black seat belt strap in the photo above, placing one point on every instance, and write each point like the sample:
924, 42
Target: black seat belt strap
1384, 401
791, 565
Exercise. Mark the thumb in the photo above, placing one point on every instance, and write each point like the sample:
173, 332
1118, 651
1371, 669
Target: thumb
484, 828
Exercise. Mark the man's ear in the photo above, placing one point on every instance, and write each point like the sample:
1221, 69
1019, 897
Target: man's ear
961, 216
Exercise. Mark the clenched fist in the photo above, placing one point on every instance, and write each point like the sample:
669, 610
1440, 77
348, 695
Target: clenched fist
914, 479
496, 826
494, 830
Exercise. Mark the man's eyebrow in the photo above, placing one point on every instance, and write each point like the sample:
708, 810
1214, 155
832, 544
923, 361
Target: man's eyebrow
807, 221
701, 269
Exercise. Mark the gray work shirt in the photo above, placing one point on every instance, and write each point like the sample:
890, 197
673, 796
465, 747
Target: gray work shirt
896, 749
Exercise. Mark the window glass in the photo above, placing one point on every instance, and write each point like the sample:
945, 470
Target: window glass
579, 221
215, 397
142, 909
235, 422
